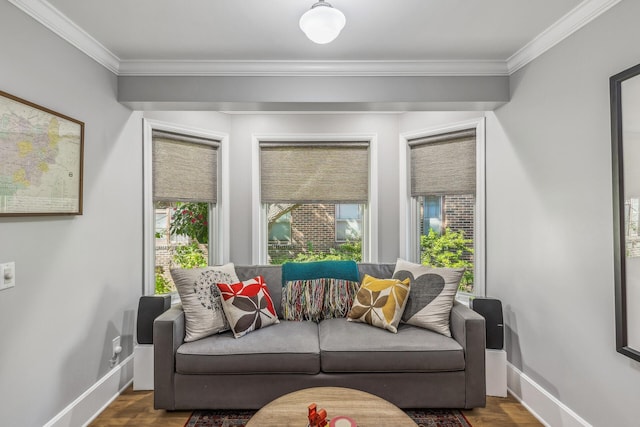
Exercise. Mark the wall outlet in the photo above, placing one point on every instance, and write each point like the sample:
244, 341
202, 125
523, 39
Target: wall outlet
116, 346
116, 349
7, 275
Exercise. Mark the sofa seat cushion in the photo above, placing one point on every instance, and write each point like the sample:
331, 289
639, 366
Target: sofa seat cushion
358, 347
286, 347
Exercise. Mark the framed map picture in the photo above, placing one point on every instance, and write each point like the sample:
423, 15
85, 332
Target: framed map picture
41, 155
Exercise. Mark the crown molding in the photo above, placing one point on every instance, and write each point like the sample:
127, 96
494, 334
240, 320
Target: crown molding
312, 68
43, 12
53, 19
575, 19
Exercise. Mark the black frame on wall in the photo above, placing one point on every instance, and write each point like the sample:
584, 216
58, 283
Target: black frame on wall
617, 154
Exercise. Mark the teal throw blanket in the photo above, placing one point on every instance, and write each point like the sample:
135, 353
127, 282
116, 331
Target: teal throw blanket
346, 270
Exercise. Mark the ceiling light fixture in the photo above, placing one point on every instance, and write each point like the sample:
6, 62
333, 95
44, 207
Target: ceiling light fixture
322, 23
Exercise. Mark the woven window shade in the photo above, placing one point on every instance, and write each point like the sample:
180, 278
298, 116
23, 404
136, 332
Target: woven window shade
185, 168
444, 164
314, 172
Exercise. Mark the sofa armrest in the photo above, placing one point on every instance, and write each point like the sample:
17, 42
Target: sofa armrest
168, 335
468, 328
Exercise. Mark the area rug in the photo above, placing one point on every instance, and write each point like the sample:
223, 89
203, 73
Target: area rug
422, 417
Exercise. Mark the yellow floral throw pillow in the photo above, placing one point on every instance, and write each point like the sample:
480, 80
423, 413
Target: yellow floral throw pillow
380, 302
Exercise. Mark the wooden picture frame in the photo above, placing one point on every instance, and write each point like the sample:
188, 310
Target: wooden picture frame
625, 148
41, 160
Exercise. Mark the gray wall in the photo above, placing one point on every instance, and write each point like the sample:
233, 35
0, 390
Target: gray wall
70, 298
549, 220
210, 121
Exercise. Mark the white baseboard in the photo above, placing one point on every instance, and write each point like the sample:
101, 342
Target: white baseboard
543, 405
92, 402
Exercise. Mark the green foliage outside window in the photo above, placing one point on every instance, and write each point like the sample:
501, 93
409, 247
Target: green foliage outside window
190, 256
449, 249
346, 251
163, 285
191, 219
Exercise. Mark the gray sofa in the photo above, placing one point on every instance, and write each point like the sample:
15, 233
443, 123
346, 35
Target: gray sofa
415, 368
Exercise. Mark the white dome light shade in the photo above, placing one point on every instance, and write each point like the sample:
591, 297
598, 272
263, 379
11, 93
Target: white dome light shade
322, 23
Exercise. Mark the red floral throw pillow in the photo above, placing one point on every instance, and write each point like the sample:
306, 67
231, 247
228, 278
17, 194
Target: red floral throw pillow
247, 305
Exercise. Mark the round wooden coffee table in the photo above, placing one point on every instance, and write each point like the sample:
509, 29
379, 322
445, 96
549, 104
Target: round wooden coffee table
365, 409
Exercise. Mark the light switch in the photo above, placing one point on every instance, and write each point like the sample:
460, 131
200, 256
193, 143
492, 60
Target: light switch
7, 275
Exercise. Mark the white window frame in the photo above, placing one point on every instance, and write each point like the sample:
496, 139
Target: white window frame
218, 215
409, 243
259, 252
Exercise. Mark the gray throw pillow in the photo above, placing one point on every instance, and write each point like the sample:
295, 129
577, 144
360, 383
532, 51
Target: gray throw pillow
430, 296
200, 298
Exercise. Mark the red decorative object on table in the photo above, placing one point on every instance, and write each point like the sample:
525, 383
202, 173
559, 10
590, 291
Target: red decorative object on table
317, 418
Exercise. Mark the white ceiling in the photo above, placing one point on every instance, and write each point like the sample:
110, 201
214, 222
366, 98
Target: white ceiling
416, 37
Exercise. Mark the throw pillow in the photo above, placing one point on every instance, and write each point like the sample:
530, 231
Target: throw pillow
431, 297
317, 299
380, 302
247, 305
203, 312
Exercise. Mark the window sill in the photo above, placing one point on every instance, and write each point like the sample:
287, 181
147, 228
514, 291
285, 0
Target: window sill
175, 298
464, 298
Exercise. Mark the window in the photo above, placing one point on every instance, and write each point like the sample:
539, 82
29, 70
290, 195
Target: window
314, 197
164, 236
163, 223
348, 222
181, 202
431, 213
280, 227
446, 195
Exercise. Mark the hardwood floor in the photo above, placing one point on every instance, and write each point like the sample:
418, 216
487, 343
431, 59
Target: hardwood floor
501, 412
135, 408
